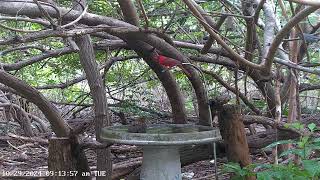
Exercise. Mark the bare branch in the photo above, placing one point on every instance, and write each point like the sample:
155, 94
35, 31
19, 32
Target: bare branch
236, 56
282, 33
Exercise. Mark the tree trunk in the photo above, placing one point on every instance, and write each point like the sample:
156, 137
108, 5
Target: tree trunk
60, 158
234, 136
97, 90
64, 161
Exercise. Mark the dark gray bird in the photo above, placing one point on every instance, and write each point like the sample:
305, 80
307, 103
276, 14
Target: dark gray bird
310, 38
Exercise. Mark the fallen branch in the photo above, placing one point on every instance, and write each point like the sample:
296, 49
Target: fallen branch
27, 139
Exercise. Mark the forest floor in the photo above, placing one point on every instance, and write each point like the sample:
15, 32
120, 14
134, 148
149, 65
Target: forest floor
19, 155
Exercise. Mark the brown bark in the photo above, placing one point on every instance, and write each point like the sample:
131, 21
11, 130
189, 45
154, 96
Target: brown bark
248, 10
65, 155
292, 114
234, 136
191, 154
60, 159
129, 12
124, 168
263, 139
39, 140
97, 90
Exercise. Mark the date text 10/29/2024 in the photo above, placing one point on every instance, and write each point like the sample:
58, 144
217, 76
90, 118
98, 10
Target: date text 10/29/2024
50, 173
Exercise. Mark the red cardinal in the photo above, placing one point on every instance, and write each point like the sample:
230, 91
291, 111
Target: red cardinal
168, 62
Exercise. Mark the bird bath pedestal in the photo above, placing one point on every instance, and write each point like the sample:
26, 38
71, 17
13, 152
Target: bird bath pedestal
161, 158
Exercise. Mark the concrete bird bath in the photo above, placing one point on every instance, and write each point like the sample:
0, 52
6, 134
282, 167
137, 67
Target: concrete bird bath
161, 158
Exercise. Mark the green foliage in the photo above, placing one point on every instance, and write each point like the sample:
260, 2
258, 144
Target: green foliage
239, 173
295, 125
309, 168
261, 104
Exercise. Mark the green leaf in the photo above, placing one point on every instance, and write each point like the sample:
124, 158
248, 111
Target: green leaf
231, 167
315, 140
312, 167
278, 143
296, 125
304, 140
299, 152
312, 127
264, 175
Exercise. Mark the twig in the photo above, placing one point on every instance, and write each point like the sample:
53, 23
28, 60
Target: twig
76, 20
18, 30
45, 14
145, 16
33, 139
14, 147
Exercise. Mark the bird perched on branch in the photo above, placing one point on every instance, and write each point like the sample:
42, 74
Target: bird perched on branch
167, 61
138, 126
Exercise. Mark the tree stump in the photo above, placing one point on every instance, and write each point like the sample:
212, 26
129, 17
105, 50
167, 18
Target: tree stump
61, 160
234, 136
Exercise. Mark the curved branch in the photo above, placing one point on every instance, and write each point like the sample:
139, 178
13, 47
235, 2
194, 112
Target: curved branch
250, 119
22, 48
59, 126
282, 33
30, 9
76, 20
18, 30
34, 59
298, 67
39, 21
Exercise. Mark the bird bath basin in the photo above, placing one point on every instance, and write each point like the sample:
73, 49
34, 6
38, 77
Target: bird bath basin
161, 158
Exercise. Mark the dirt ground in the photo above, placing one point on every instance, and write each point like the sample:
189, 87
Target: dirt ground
17, 155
